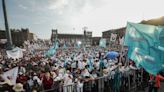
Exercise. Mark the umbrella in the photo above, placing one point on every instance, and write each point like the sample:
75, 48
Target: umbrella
112, 54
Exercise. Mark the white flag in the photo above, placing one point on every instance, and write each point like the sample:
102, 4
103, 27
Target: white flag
11, 75
121, 40
15, 53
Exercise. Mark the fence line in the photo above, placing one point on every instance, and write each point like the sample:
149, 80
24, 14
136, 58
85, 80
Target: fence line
128, 83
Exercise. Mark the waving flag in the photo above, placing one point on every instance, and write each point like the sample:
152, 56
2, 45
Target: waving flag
11, 75
78, 44
15, 53
64, 46
146, 46
51, 51
102, 43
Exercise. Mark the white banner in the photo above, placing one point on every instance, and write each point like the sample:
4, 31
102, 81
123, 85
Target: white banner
11, 75
3, 41
121, 41
15, 53
102, 42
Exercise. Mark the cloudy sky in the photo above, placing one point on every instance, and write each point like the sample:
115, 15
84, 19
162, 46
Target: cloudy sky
70, 16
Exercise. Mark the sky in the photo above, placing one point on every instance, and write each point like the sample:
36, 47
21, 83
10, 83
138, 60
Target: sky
71, 16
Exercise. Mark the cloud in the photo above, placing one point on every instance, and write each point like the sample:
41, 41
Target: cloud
67, 6
97, 15
22, 6
58, 4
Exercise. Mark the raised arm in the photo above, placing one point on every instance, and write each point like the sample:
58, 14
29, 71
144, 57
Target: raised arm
161, 77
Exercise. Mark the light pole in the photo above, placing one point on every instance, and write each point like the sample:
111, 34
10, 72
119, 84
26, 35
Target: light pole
85, 43
8, 33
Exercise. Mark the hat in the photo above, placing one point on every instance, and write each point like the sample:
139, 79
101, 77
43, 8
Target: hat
105, 71
35, 64
6, 82
47, 74
18, 87
35, 74
20, 73
120, 64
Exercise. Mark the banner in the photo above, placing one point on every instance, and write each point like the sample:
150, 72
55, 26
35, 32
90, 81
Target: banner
121, 41
145, 46
102, 43
11, 75
3, 41
113, 37
15, 53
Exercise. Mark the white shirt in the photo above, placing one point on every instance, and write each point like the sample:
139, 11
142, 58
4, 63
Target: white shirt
98, 65
30, 82
67, 79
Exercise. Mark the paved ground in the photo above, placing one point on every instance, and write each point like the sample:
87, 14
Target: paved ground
162, 87
160, 90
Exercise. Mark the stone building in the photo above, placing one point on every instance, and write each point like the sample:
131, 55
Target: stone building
95, 41
18, 36
72, 39
107, 34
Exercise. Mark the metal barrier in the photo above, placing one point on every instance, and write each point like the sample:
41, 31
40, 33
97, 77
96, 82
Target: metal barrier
104, 84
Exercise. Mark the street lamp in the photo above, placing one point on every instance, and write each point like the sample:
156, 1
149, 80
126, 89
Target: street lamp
85, 28
8, 33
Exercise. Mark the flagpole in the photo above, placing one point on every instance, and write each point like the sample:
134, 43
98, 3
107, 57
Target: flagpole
121, 50
8, 33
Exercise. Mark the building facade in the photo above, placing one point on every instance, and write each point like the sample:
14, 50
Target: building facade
18, 36
95, 41
72, 39
88, 38
107, 35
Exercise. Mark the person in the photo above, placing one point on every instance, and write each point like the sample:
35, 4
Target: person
47, 81
5, 85
154, 82
22, 78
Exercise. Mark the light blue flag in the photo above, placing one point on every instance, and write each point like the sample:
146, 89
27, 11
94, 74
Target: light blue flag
56, 45
51, 51
90, 63
102, 43
145, 46
65, 62
64, 46
78, 45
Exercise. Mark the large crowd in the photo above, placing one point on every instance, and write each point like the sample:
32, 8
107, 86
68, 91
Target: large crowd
67, 66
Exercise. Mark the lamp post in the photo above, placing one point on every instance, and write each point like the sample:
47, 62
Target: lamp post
8, 33
85, 43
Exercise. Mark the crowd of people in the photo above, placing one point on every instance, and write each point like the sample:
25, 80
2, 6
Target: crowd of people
67, 66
